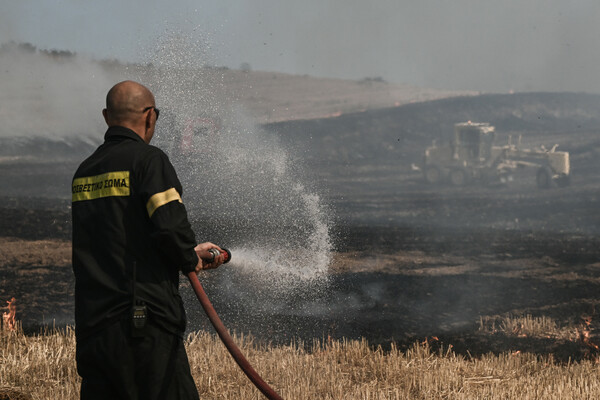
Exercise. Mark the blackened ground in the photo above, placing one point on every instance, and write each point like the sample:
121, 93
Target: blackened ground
430, 263
411, 260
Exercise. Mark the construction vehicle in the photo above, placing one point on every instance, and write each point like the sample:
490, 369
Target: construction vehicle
471, 157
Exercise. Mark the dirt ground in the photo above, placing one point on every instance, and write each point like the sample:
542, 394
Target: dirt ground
38, 274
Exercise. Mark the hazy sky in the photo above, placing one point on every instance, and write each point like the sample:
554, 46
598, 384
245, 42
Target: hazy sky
485, 45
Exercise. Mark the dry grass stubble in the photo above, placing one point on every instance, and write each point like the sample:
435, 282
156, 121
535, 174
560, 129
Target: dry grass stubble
43, 367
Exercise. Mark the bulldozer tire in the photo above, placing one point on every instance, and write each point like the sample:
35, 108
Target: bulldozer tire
458, 177
433, 175
543, 178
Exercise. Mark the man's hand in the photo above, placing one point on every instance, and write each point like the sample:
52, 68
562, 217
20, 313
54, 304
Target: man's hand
208, 260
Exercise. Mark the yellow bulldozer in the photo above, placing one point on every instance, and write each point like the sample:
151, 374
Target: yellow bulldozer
471, 157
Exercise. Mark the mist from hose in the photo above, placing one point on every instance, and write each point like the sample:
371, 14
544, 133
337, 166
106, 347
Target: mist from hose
241, 187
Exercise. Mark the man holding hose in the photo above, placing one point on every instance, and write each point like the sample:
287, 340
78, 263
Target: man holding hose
131, 240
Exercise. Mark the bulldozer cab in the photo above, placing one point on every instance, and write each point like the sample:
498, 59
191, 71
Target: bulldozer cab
470, 155
473, 141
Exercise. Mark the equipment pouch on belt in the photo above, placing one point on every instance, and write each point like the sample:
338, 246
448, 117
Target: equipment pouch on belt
139, 320
139, 311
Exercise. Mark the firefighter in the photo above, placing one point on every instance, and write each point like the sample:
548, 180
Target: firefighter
131, 240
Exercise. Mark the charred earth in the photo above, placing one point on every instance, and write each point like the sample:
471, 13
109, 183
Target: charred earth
411, 260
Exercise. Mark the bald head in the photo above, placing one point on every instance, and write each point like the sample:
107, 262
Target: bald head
130, 104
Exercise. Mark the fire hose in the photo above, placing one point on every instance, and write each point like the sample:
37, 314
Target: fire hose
226, 338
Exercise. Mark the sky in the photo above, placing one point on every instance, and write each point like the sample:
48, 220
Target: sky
484, 45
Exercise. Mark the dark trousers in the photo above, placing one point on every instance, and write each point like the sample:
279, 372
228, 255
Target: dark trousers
113, 365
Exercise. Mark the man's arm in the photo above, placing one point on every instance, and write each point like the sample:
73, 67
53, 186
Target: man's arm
171, 229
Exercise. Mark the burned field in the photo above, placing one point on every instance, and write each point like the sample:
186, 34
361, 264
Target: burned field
388, 284
459, 283
411, 261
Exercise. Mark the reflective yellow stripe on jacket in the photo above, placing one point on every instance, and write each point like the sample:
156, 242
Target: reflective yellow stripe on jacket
109, 184
160, 199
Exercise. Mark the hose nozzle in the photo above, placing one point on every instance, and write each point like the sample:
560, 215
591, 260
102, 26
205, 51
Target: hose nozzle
215, 253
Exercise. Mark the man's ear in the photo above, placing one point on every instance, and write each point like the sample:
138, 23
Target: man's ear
105, 115
149, 128
149, 120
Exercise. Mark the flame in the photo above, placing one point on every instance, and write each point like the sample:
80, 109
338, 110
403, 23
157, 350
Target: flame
584, 335
428, 340
10, 316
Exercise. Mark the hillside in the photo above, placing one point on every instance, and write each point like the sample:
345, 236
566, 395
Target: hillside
400, 134
272, 97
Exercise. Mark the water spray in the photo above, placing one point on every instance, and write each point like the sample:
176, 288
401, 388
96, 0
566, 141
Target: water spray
265, 204
223, 333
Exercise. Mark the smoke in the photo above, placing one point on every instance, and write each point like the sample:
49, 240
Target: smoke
50, 94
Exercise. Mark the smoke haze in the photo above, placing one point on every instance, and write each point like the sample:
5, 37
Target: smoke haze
53, 97
520, 45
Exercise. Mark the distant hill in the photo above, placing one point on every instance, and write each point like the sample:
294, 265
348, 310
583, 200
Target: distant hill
65, 90
51, 110
274, 97
402, 132
397, 133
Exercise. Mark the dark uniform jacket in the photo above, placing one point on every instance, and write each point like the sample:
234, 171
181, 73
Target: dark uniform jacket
128, 218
